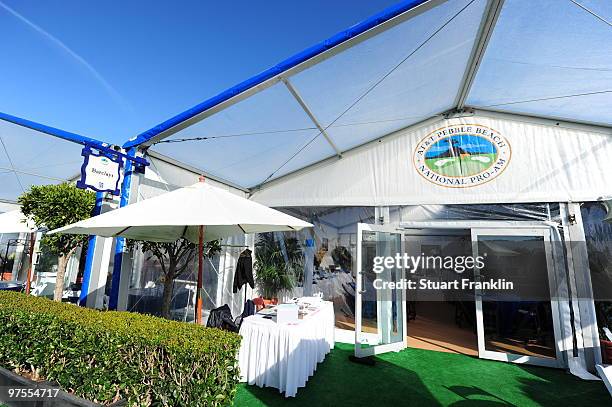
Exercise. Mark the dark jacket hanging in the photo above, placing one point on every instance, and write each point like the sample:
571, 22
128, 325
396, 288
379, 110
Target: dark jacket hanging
244, 271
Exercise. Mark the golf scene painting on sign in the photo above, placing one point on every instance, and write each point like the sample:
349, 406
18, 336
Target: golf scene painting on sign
461, 155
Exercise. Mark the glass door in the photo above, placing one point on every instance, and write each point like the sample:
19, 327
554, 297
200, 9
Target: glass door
380, 307
517, 318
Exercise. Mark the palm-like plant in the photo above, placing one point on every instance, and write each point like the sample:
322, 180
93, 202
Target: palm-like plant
277, 268
342, 256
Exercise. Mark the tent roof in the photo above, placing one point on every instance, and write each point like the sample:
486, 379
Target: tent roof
416, 60
412, 62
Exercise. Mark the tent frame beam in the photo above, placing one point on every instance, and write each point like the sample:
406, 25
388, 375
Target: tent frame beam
487, 25
296, 95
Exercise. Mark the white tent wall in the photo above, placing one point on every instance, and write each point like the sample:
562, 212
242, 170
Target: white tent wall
175, 175
7, 206
545, 162
336, 228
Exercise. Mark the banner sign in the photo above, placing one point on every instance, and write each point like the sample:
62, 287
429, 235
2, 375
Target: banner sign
478, 159
100, 171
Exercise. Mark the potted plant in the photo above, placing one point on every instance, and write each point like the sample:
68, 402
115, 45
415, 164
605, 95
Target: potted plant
278, 265
342, 257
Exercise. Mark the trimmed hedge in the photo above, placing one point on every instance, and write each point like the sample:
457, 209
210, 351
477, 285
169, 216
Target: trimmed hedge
106, 356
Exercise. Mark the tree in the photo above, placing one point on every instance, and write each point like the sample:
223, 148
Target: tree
173, 258
55, 206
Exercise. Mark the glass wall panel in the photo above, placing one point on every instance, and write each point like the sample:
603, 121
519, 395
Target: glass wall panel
332, 258
335, 238
519, 321
146, 290
381, 307
598, 234
45, 271
46, 262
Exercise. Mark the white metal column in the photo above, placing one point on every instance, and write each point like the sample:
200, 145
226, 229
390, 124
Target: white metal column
578, 256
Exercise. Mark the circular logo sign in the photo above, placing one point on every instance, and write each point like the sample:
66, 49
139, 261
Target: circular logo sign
462, 156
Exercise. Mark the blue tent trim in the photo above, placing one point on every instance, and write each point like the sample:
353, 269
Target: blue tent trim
52, 131
278, 69
68, 136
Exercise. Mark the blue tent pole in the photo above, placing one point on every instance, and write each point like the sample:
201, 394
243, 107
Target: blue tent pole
91, 248
120, 242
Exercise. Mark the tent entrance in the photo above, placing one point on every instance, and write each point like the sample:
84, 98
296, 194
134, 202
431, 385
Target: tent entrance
517, 322
441, 320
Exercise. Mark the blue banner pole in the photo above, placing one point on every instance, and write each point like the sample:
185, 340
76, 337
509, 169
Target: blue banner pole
91, 248
120, 242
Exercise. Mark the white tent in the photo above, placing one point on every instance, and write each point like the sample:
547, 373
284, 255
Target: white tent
15, 222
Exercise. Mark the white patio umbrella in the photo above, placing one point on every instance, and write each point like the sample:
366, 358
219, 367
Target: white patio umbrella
185, 212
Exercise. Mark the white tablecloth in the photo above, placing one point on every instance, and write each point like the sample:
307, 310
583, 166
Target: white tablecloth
284, 356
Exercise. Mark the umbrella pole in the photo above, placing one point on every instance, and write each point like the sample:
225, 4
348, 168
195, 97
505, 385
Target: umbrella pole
198, 310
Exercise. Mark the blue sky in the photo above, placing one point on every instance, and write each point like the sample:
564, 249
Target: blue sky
112, 69
473, 144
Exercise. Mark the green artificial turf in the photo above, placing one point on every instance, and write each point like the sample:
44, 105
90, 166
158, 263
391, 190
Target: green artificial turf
461, 166
425, 378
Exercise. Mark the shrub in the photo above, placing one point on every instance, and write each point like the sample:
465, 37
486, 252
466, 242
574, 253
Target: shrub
106, 356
